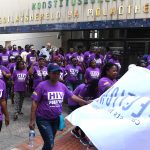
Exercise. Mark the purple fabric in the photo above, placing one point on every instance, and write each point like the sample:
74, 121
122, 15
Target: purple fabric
99, 62
67, 57
87, 54
104, 83
2, 96
115, 62
73, 73
80, 57
75, 92
19, 78
12, 67
60, 56
3, 68
50, 98
62, 73
14, 53
84, 93
39, 75
148, 67
92, 73
4, 59
31, 58
148, 58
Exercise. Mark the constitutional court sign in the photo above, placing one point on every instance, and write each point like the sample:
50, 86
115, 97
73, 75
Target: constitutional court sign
30, 12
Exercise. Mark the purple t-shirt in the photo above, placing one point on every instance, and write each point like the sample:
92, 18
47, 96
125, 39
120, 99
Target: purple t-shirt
39, 75
62, 73
85, 94
75, 92
50, 98
104, 83
92, 73
12, 67
73, 73
14, 53
79, 57
31, 58
148, 67
3, 68
2, 96
20, 78
99, 62
4, 59
67, 57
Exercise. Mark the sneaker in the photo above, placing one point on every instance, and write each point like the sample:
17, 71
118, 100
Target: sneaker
15, 116
84, 141
20, 113
75, 133
91, 146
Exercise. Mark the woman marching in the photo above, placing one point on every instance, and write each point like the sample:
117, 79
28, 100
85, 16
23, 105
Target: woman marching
19, 78
46, 107
108, 77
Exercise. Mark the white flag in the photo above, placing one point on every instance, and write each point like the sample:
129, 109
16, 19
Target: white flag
120, 118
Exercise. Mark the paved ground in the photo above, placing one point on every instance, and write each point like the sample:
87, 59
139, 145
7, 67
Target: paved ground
15, 137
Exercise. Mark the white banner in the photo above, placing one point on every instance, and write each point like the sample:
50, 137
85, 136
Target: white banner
120, 118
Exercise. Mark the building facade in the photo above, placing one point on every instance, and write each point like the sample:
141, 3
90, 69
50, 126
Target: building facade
120, 24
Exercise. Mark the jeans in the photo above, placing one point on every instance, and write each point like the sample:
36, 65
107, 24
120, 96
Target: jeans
48, 129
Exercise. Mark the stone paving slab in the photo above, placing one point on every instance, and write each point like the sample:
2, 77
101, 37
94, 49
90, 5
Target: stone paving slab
18, 131
63, 141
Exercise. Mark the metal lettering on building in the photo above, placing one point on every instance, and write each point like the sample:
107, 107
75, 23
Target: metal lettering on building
26, 12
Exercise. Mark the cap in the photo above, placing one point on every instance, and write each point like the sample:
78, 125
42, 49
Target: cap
12, 57
53, 67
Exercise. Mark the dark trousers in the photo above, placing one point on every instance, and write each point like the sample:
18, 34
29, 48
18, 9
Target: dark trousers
0, 125
48, 129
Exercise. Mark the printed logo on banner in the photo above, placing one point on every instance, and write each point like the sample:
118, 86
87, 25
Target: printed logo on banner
116, 98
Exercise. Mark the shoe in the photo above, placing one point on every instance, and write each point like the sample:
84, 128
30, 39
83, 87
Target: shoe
91, 146
20, 113
15, 116
84, 141
75, 133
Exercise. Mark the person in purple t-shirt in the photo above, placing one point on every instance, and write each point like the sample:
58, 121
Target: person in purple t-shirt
4, 73
108, 77
32, 57
14, 51
46, 107
38, 71
4, 57
92, 72
3, 105
19, 78
58, 61
74, 74
68, 56
85, 93
115, 60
